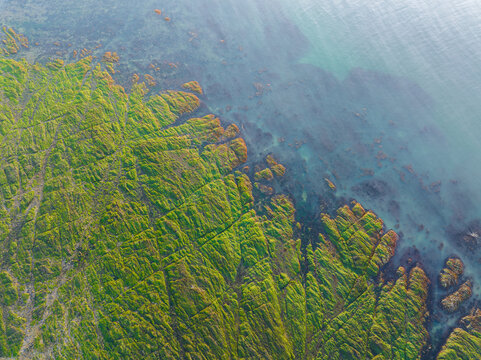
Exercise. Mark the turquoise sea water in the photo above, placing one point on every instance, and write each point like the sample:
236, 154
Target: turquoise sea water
381, 97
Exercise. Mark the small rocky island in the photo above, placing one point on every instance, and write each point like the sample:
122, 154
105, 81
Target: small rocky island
451, 272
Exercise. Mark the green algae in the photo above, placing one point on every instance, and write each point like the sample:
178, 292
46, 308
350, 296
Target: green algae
12, 41
193, 86
450, 274
465, 341
265, 174
127, 233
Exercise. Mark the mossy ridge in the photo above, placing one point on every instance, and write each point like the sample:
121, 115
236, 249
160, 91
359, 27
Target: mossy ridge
357, 317
126, 235
465, 341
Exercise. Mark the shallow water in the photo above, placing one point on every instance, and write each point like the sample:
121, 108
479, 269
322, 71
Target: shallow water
380, 97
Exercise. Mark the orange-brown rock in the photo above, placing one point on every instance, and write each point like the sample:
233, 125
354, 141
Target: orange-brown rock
13, 41
85, 52
150, 80
110, 57
135, 78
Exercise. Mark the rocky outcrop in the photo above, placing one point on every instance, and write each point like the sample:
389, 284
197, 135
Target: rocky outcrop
464, 342
129, 235
453, 301
451, 272
193, 86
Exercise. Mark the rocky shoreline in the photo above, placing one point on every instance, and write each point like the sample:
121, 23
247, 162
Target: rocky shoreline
130, 234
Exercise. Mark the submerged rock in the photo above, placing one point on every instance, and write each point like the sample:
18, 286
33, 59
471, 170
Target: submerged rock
331, 185
264, 189
374, 188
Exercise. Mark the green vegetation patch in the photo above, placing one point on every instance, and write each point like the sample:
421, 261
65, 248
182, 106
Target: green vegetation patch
128, 234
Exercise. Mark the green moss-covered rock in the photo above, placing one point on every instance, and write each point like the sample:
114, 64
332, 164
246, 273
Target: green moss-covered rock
128, 235
352, 317
465, 341
265, 175
193, 86
451, 272
8, 290
278, 169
